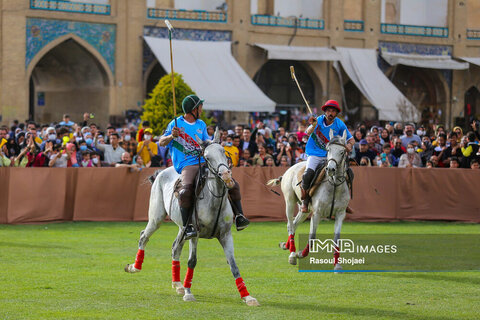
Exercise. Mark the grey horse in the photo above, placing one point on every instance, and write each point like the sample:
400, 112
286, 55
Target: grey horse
321, 204
215, 218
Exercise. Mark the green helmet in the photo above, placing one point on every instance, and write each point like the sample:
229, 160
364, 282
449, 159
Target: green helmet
190, 103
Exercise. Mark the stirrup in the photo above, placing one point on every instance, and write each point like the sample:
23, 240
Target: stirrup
189, 232
241, 222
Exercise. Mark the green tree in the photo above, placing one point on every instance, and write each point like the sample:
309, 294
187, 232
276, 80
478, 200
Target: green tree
158, 109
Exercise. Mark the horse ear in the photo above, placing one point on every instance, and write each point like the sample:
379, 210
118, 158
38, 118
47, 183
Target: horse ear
216, 136
331, 134
344, 136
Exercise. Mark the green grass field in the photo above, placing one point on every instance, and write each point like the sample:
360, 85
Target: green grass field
75, 270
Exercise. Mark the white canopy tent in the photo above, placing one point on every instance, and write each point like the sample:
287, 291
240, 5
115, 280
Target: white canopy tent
424, 61
361, 66
472, 60
209, 68
281, 52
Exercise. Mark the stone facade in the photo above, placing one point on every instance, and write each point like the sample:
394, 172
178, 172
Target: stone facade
114, 41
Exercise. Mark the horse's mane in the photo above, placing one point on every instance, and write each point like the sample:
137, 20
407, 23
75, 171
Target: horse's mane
337, 139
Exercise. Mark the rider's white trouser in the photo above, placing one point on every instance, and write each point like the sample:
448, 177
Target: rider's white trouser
314, 161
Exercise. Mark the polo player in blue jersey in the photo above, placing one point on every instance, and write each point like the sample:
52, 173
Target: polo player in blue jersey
318, 132
179, 137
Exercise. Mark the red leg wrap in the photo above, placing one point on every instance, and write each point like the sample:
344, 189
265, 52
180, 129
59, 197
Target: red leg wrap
175, 271
187, 283
305, 251
139, 259
336, 255
291, 243
242, 288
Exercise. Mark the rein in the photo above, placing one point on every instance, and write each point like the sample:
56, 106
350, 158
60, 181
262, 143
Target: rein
223, 193
342, 179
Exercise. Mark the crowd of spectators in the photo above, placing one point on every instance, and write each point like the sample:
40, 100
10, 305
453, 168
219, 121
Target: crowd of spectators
84, 144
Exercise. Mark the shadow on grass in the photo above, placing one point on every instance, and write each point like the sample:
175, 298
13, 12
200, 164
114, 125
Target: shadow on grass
29, 245
371, 313
317, 308
436, 277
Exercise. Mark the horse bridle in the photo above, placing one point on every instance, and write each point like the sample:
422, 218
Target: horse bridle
341, 180
216, 173
336, 162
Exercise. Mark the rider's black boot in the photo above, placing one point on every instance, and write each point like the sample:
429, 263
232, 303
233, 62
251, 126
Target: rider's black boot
190, 231
306, 182
241, 221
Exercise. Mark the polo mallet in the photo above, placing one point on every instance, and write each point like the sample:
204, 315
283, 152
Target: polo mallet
292, 72
170, 31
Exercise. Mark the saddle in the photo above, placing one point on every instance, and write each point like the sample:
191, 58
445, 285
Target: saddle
320, 174
200, 180
317, 178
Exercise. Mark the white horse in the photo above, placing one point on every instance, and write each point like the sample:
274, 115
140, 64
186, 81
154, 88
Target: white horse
214, 213
322, 199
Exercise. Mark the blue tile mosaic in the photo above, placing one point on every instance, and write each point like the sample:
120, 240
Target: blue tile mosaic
188, 34
101, 36
414, 48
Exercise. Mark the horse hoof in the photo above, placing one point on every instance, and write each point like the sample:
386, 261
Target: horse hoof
283, 245
292, 258
131, 269
178, 288
251, 301
337, 267
189, 297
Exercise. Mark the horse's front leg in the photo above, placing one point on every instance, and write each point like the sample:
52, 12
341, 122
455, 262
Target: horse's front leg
339, 216
227, 243
192, 262
313, 234
177, 248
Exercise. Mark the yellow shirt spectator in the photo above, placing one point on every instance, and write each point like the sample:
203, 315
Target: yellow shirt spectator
233, 153
146, 149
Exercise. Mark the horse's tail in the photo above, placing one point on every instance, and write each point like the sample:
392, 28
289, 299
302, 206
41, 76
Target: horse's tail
274, 182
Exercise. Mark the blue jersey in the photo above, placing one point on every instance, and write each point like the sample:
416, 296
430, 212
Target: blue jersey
185, 149
318, 140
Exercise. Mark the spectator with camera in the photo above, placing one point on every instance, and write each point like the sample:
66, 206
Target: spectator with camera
59, 157
282, 152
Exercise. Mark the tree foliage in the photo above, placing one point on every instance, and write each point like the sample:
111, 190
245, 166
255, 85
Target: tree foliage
158, 109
